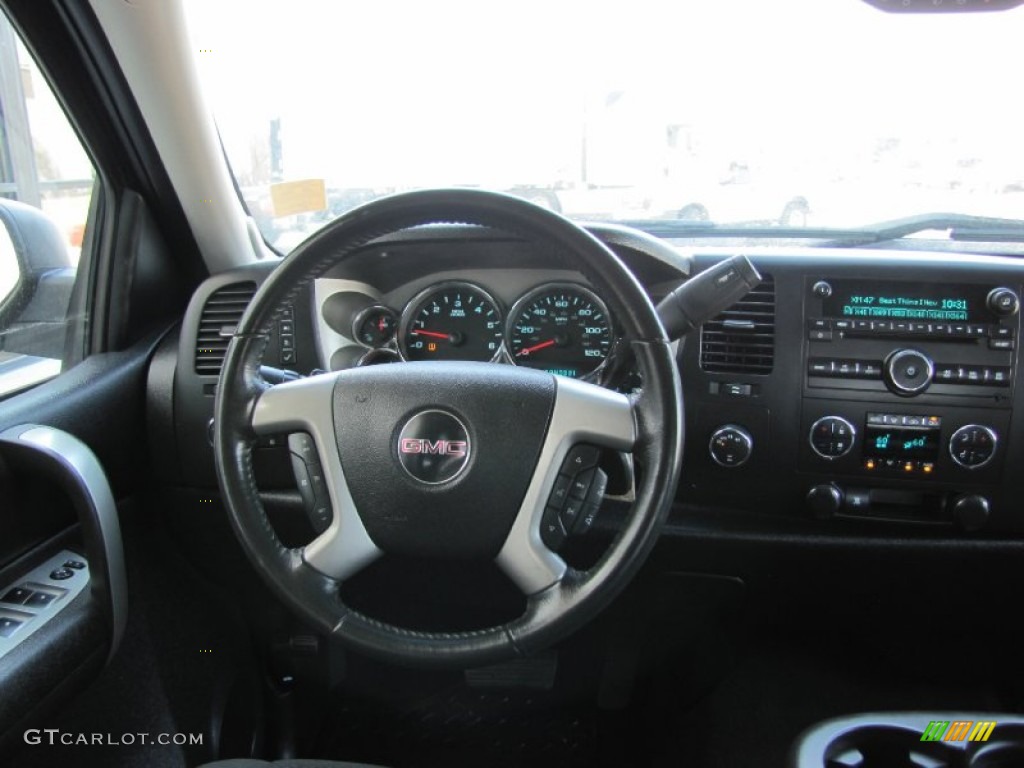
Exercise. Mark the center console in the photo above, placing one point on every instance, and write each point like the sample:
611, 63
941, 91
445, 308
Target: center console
912, 740
908, 390
871, 387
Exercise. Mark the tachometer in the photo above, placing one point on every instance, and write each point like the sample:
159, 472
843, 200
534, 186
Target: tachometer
562, 328
452, 321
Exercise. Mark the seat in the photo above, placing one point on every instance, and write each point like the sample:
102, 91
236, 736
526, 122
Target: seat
245, 762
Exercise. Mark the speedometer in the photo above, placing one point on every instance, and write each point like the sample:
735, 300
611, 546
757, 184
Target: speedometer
452, 321
561, 328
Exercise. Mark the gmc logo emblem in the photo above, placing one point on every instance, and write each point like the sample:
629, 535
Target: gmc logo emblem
438, 447
436, 459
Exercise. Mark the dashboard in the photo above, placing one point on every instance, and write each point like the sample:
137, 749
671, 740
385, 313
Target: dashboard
851, 391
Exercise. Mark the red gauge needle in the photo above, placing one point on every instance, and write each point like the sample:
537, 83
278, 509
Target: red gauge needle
432, 334
535, 347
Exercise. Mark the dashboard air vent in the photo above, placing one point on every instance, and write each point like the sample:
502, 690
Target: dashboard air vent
221, 314
742, 338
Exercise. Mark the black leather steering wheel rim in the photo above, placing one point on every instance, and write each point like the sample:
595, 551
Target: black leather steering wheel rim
555, 610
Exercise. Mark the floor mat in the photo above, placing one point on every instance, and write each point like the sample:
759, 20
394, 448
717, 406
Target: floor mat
465, 727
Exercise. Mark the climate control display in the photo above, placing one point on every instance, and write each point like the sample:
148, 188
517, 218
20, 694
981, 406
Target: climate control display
903, 443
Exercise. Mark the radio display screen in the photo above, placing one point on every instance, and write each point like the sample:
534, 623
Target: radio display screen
935, 302
901, 443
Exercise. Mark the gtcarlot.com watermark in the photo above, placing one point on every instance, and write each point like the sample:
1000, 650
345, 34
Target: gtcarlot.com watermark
54, 736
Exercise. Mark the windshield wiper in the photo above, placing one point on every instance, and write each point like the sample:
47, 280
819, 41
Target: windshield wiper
961, 227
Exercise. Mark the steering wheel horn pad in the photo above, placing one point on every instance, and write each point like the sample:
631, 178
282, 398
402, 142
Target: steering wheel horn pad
518, 426
505, 412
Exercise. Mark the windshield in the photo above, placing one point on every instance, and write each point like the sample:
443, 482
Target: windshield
788, 113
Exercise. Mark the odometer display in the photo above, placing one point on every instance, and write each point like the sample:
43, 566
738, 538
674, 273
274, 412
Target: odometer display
452, 321
561, 328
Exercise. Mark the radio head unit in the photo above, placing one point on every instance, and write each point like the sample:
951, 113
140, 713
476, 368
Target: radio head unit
911, 339
928, 302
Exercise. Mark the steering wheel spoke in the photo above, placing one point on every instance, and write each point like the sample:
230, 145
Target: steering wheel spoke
305, 405
582, 414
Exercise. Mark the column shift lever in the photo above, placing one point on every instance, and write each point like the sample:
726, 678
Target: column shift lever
702, 297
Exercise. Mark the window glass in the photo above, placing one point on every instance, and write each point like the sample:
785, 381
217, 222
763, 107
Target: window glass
46, 184
747, 113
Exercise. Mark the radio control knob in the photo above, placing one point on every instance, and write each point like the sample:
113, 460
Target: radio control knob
1003, 302
971, 512
973, 446
825, 500
832, 437
731, 446
908, 372
821, 289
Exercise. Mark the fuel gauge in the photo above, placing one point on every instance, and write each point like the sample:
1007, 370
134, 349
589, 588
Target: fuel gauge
375, 326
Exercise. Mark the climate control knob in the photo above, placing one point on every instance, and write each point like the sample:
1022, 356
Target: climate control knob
825, 500
908, 372
973, 446
731, 446
832, 437
971, 512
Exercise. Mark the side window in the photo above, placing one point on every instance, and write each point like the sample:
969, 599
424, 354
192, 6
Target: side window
46, 184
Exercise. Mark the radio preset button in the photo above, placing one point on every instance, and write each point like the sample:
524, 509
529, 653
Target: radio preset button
1000, 376
1000, 344
870, 370
819, 367
992, 376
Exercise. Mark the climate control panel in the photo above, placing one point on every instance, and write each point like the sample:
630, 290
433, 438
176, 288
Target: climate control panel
946, 445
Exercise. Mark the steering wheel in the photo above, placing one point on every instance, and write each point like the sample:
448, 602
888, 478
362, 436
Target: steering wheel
448, 459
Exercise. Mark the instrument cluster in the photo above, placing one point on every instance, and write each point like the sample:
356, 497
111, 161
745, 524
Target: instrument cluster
560, 327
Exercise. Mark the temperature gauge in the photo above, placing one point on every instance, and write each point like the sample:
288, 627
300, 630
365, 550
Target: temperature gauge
375, 326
